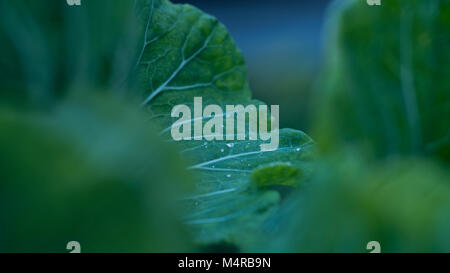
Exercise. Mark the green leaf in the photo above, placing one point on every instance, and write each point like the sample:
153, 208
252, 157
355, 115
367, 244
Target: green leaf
386, 83
186, 53
45, 51
403, 204
88, 173
276, 174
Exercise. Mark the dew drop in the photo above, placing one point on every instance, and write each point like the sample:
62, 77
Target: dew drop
222, 150
298, 149
230, 145
228, 175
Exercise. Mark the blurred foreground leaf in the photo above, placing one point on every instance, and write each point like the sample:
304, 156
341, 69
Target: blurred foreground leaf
92, 172
403, 204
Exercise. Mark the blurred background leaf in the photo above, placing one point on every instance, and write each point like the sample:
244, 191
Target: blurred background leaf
385, 85
50, 47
